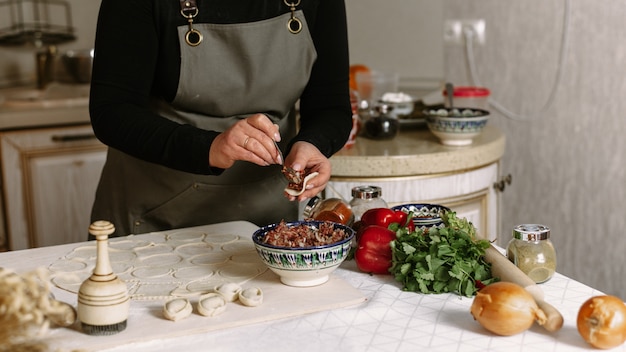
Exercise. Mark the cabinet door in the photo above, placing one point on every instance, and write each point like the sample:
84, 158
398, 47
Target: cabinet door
62, 190
471, 193
49, 179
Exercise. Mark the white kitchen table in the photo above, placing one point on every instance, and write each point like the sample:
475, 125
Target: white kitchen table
376, 315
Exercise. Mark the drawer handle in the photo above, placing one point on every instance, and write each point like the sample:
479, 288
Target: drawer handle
73, 137
501, 185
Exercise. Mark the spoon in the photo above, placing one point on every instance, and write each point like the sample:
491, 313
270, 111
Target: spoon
450, 94
280, 153
291, 174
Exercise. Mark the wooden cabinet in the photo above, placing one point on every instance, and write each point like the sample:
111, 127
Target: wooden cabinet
49, 178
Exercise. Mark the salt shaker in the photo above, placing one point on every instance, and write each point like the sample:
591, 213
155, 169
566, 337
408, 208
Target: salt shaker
532, 251
365, 198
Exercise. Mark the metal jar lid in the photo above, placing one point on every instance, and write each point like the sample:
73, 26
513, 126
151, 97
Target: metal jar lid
310, 205
531, 232
367, 192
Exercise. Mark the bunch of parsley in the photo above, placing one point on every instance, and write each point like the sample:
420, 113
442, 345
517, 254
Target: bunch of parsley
440, 260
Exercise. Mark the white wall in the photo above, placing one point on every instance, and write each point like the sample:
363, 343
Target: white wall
568, 160
404, 36
398, 35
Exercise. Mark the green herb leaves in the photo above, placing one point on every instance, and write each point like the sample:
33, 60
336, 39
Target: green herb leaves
439, 260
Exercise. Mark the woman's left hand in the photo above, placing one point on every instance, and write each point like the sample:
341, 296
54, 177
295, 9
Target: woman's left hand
304, 155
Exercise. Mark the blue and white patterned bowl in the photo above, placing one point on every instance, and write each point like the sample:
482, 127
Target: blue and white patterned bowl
456, 130
424, 215
306, 266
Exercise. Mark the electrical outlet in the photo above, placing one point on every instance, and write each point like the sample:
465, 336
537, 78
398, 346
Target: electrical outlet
454, 31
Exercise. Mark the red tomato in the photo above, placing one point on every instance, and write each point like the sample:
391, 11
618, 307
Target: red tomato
373, 253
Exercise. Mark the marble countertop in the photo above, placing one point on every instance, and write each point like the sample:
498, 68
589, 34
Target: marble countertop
416, 151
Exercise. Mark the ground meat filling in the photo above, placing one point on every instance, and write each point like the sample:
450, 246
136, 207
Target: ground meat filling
304, 235
295, 178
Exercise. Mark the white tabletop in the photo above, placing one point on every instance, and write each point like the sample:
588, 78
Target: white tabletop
389, 319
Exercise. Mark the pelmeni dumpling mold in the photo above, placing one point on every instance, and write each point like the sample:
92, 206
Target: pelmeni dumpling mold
251, 297
211, 304
177, 309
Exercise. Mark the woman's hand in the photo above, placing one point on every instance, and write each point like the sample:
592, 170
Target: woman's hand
251, 139
304, 155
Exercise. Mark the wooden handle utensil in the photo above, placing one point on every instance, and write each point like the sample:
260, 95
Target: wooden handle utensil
503, 268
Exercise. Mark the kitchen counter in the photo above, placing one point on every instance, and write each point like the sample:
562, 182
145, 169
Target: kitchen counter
415, 167
59, 104
416, 151
387, 319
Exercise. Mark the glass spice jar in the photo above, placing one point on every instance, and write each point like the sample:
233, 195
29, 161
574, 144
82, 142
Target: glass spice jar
532, 252
381, 125
329, 209
365, 198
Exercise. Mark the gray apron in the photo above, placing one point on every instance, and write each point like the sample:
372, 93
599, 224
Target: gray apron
237, 70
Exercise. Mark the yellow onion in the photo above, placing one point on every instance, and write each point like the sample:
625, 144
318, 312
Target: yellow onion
601, 321
505, 308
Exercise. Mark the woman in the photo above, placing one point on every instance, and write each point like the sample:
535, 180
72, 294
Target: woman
190, 95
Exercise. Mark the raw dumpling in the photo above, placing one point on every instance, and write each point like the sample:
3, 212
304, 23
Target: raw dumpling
296, 189
229, 290
177, 309
251, 297
211, 304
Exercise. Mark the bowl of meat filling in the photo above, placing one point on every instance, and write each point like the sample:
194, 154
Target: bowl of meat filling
303, 253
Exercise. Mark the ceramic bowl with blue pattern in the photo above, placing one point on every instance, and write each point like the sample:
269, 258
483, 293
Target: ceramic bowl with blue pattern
424, 215
458, 126
303, 266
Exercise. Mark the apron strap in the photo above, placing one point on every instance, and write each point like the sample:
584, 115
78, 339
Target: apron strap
188, 7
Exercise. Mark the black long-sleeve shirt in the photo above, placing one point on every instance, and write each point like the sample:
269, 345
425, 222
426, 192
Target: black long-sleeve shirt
137, 58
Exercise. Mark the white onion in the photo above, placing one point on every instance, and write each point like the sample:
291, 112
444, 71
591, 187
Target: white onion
505, 308
601, 321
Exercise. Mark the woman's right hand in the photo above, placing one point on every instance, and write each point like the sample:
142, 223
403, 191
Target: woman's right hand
250, 139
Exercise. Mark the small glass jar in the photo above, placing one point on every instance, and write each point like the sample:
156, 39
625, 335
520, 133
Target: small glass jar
532, 252
365, 198
329, 209
381, 125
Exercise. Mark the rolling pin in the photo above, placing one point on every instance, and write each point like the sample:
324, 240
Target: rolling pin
503, 268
